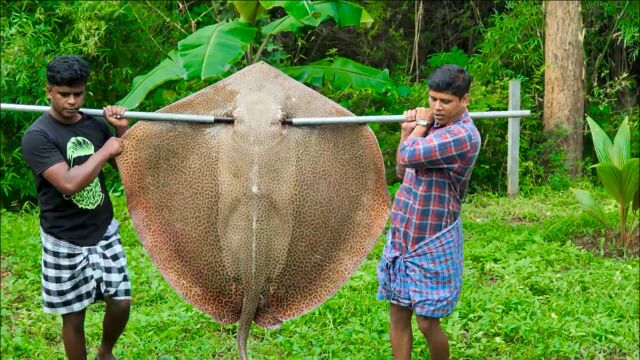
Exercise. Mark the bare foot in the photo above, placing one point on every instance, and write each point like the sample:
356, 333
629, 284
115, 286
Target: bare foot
103, 355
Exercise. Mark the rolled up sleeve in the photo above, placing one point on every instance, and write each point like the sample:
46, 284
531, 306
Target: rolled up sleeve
444, 149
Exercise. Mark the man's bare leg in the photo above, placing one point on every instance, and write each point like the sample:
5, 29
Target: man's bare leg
436, 337
73, 335
400, 332
115, 319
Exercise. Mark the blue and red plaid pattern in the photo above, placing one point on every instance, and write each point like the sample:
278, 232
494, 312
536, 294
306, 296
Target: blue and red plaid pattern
438, 168
421, 266
427, 279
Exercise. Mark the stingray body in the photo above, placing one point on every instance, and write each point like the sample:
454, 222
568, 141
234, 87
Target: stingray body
255, 220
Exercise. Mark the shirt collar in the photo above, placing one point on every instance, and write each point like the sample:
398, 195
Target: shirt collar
464, 115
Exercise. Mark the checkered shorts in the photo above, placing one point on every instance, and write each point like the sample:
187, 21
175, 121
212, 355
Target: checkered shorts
427, 279
74, 277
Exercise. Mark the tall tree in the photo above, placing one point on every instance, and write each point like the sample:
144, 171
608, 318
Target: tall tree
564, 78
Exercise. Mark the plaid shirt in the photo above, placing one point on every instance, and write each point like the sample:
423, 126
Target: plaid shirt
438, 168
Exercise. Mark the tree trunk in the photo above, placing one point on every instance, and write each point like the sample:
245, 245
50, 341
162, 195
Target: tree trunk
564, 79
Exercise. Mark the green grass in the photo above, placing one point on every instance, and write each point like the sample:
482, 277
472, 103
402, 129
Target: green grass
528, 293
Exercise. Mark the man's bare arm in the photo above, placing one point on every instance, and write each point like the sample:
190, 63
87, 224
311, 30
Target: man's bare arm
69, 181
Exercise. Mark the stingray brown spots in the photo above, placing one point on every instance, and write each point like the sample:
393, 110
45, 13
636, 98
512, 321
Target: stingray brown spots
255, 221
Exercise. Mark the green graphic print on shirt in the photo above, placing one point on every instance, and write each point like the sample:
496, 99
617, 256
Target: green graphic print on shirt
91, 196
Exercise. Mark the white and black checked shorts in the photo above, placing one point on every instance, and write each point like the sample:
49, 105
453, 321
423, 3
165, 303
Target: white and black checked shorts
74, 277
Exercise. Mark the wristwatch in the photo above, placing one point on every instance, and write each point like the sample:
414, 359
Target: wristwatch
423, 122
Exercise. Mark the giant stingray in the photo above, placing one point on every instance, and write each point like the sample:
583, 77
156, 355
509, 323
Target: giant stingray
255, 220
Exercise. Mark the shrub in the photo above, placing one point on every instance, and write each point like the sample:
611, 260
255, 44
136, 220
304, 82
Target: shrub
618, 172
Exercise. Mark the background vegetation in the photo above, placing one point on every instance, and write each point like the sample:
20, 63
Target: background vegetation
495, 40
541, 279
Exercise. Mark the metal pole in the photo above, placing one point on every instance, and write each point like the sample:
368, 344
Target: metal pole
513, 143
294, 121
395, 118
129, 114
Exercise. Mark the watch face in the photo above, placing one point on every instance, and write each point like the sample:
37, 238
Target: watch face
422, 122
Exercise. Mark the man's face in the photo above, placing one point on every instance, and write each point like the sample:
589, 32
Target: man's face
66, 101
446, 107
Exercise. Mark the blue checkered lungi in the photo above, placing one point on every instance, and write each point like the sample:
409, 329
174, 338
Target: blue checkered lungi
427, 279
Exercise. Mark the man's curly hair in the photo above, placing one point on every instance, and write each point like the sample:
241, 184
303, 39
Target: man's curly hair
67, 71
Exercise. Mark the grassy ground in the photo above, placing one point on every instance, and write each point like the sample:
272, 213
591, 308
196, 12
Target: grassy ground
528, 293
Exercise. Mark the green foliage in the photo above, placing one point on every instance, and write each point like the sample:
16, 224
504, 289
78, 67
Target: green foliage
610, 23
207, 53
496, 41
590, 206
30, 34
454, 56
211, 51
35, 32
341, 73
626, 14
612, 43
528, 293
249, 10
300, 14
297, 9
167, 70
384, 44
342, 12
511, 47
618, 172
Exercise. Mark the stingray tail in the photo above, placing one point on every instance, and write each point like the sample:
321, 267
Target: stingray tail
249, 307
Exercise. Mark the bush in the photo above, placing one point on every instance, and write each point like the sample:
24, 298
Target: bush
35, 32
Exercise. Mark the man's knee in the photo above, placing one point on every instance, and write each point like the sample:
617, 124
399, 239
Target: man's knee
400, 315
119, 306
428, 325
74, 320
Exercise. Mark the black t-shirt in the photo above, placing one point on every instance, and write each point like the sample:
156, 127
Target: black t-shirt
82, 218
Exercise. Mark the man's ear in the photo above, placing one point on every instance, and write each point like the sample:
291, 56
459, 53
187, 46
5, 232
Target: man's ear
465, 100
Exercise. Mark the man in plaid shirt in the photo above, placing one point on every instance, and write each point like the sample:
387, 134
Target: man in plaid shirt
421, 267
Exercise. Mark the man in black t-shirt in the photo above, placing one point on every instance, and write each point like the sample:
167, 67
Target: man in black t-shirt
82, 257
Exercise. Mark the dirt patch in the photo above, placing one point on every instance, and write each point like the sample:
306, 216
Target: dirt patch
3, 273
604, 244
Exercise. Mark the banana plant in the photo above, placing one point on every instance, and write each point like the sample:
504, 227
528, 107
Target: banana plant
618, 172
212, 51
340, 72
305, 13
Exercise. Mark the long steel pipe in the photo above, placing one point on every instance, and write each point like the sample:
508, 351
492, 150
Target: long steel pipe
396, 118
141, 115
293, 121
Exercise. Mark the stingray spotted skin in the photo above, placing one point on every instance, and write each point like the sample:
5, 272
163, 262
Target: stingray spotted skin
256, 220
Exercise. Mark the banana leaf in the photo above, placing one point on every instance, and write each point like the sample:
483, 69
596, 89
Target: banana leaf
299, 10
210, 51
342, 12
168, 69
340, 73
248, 10
345, 13
284, 24
590, 206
